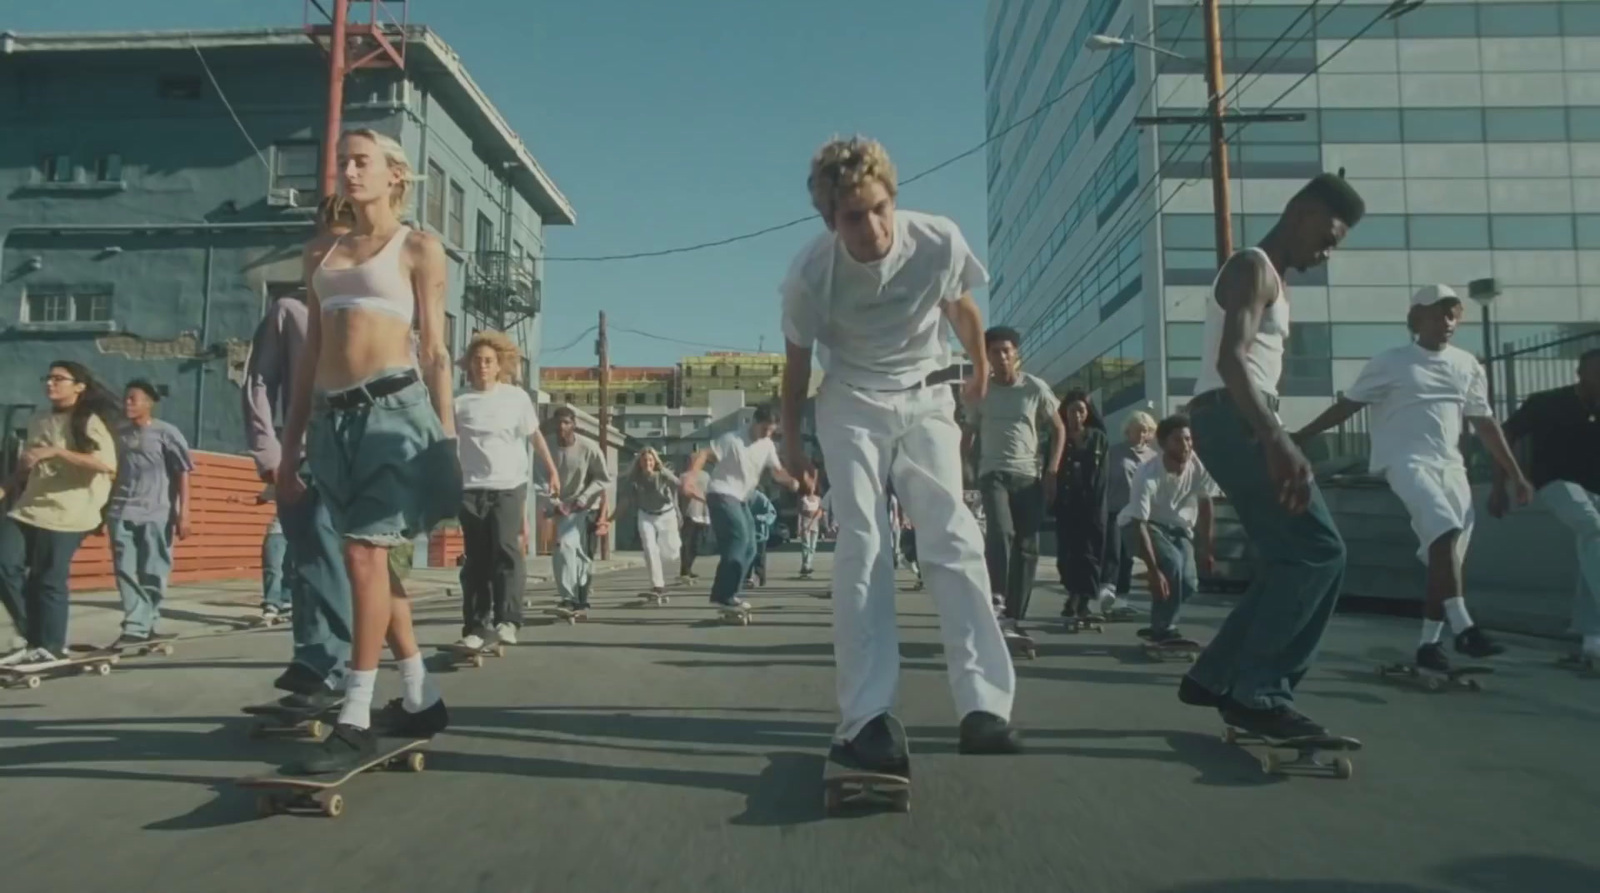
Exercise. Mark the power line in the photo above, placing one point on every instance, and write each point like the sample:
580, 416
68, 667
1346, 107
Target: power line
229, 106
680, 340
571, 344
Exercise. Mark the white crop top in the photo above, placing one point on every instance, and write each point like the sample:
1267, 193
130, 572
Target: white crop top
377, 284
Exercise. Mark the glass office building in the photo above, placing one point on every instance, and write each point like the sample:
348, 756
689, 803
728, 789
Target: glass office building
1472, 129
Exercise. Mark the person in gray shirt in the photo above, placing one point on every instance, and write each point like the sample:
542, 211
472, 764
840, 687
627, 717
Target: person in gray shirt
153, 465
584, 476
652, 490
1006, 429
1122, 460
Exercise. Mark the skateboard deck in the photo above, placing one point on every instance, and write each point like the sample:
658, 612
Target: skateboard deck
843, 787
1021, 645
272, 718
1308, 752
472, 657
79, 660
654, 598
1171, 649
161, 647
1579, 662
1436, 680
1091, 623
1121, 614
570, 615
741, 616
286, 793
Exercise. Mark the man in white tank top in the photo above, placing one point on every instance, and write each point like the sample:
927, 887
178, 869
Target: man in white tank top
1252, 665
1420, 393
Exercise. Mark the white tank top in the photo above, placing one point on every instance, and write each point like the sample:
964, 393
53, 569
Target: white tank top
1263, 358
377, 283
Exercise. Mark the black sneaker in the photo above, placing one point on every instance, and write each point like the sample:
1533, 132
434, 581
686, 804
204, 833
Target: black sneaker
1432, 657
299, 679
1474, 642
1272, 723
312, 703
985, 733
880, 746
1170, 634
126, 641
1196, 695
394, 721
1146, 632
344, 750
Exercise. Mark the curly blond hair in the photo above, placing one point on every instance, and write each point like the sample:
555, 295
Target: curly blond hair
504, 349
845, 165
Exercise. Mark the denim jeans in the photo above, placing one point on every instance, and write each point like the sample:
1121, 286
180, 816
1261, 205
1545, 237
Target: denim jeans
1116, 570
736, 541
275, 571
141, 557
34, 566
1579, 511
808, 544
571, 563
319, 589
1267, 643
1014, 505
1174, 548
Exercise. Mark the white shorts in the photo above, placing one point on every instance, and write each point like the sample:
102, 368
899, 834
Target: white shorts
1438, 499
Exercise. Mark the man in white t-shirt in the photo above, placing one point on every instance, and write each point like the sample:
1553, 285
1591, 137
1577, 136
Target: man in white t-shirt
495, 425
741, 458
878, 295
1419, 393
1168, 510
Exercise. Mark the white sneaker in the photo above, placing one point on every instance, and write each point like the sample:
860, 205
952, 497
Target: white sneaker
1109, 601
506, 633
37, 657
474, 642
1008, 627
16, 656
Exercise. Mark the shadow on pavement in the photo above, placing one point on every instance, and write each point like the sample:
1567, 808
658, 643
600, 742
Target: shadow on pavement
1277, 885
1480, 874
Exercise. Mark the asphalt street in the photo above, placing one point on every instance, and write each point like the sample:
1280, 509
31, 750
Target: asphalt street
653, 748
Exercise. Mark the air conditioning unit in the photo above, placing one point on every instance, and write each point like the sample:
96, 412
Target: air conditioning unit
285, 197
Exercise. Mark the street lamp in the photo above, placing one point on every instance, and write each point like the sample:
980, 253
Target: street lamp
1107, 42
1484, 291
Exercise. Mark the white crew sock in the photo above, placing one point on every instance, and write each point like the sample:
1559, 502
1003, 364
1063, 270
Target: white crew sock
1455, 610
358, 689
419, 692
1431, 631
1591, 645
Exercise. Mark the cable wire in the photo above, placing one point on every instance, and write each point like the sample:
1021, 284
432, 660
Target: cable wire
573, 343
229, 106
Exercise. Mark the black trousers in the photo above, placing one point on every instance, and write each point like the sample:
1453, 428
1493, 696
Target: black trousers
495, 571
692, 533
1080, 543
1013, 505
1118, 557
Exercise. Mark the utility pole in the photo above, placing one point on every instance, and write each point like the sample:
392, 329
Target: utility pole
331, 126
1221, 206
602, 350
378, 42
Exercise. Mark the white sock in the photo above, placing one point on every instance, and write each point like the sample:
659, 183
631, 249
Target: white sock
1455, 610
419, 692
1591, 644
358, 689
1431, 631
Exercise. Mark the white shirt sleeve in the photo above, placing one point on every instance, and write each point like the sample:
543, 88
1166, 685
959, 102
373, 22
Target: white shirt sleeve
1048, 404
1203, 484
1476, 405
966, 271
530, 415
1374, 382
802, 322
1141, 493
772, 463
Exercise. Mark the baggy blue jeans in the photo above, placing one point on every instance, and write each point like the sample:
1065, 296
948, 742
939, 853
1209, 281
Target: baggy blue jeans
735, 528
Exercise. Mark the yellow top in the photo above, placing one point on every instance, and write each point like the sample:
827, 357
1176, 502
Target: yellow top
61, 496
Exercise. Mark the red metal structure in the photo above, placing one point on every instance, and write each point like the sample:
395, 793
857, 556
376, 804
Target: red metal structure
351, 45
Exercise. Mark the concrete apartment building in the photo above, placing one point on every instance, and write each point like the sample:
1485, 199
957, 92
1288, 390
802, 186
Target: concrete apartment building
141, 234
1472, 129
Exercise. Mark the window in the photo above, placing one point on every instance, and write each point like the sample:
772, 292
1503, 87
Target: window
456, 234
622, 400
1449, 232
1344, 23
1442, 125
485, 235
1533, 125
1307, 361
58, 169
178, 87
1436, 21
1580, 19
435, 184
1519, 20
1361, 125
1186, 339
1378, 232
294, 166
108, 169
1588, 230
63, 304
661, 399
1532, 231
1583, 124
639, 399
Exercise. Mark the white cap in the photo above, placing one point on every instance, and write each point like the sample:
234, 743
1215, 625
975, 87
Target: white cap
1428, 295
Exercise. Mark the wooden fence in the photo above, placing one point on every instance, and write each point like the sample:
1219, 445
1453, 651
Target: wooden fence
228, 529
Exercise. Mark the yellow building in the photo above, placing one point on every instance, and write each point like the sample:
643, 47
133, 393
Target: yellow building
630, 385
759, 375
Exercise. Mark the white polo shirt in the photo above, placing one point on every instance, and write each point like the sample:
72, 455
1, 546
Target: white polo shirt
740, 464
1171, 500
881, 326
1418, 398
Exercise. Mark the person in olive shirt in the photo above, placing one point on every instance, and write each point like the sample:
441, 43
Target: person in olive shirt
1561, 428
1006, 427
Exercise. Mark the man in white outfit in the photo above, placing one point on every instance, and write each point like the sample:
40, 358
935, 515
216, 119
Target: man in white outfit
880, 292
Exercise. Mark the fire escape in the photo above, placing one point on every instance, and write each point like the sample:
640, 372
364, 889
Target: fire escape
501, 289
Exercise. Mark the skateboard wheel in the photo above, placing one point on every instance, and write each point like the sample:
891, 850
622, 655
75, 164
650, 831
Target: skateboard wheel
1270, 764
1230, 736
832, 800
266, 806
477, 661
315, 728
333, 806
664, 599
1432, 684
1190, 656
103, 669
32, 681
902, 801
1472, 685
415, 761
500, 651
1343, 767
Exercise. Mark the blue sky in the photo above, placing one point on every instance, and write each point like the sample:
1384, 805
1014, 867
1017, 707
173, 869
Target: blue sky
671, 123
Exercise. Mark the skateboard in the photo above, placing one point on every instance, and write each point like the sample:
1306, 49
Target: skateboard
473, 657
1088, 623
1308, 752
160, 647
740, 616
286, 793
272, 718
1580, 662
268, 622
653, 598
1436, 680
1021, 645
1121, 614
844, 787
78, 661
570, 615
1177, 649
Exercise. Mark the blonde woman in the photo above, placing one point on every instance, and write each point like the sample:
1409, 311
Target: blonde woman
1124, 459
381, 427
496, 423
653, 490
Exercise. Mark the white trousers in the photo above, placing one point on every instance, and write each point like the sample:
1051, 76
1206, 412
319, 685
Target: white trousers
1579, 510
911, 437
658, 536
1438, 499
571, 563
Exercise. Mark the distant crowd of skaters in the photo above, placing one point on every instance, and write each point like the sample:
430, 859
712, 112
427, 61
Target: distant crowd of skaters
364, 444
